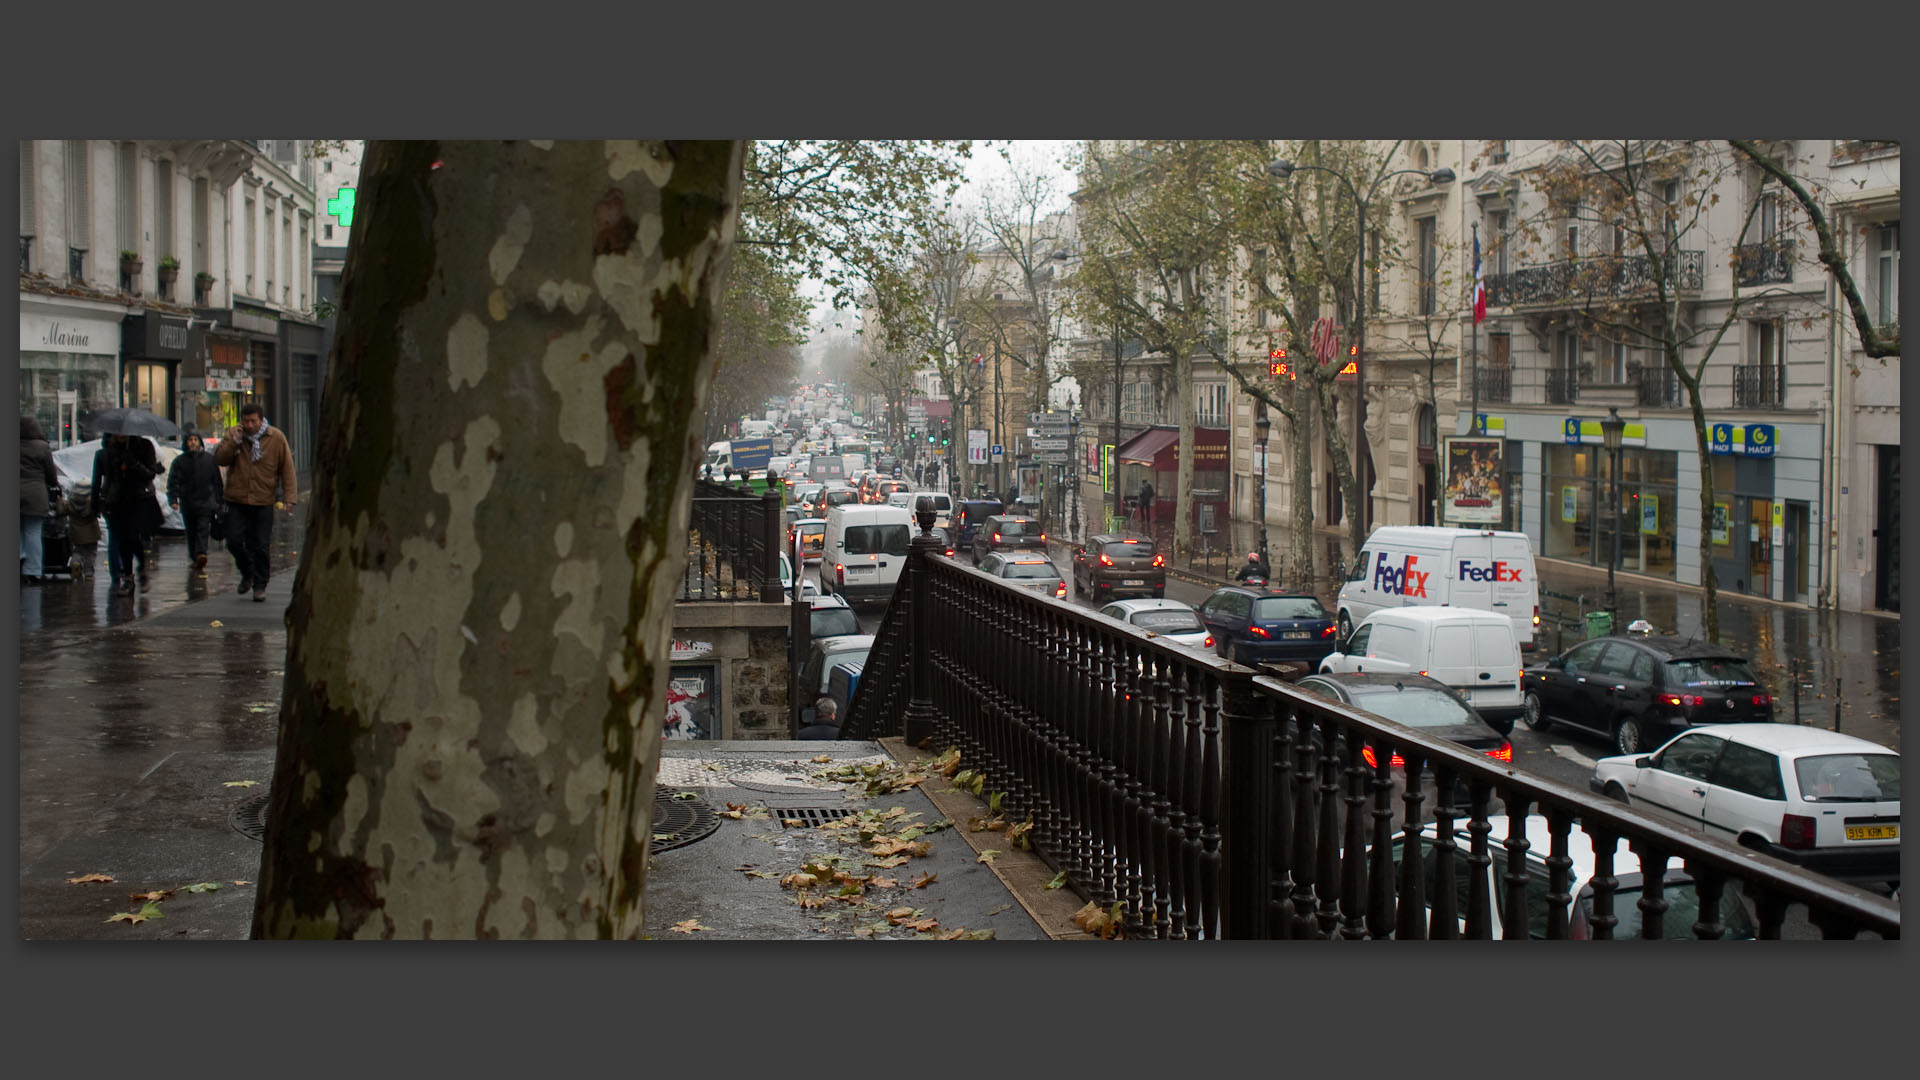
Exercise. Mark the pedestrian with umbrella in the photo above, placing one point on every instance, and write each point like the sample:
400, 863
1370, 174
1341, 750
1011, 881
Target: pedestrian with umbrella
258, 460
39, 486
123, 473
193, 488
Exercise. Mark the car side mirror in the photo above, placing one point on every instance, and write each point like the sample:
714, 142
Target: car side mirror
1557, 662
1643, 762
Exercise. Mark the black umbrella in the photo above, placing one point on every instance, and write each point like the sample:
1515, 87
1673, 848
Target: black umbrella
134, 422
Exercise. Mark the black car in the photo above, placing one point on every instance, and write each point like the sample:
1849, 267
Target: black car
1007, 532
1416, 701
1641, 691
968, 516
1254, 625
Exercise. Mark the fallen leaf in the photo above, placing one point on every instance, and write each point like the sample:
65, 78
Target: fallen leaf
663, 837
808, 900
758, 873
216, 624
157, 894
888, 864
149, 910
241, 783
734, 814
792, 822
1059, 880
998, 910
798, 881
90, 879
237, 882
1019, 835
127, 917
736, 806
686, 794
920, 849
688, 926
953, 934
994, 800
883, 883
1093, 919
977, 935
921, 926
924, 880
900, 914
987, 855
204, 886
822, 759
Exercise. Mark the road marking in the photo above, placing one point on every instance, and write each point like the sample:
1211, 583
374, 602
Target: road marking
1572, 755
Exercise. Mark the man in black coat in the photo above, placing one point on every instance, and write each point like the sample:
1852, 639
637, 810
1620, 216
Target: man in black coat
193, 488
123, 473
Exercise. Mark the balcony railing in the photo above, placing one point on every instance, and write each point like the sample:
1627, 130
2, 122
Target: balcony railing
739, 543
1760, 386
1563, 386
1764, 264
1496, 384
1615, 277
1209, 802
1659, 387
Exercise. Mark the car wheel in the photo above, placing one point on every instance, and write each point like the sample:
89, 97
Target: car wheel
1346, 625
1535, 712
1615, 791
1627, 737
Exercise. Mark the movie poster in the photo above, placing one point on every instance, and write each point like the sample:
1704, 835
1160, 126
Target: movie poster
1475, 471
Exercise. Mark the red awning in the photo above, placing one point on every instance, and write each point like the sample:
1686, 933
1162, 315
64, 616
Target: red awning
1143, 448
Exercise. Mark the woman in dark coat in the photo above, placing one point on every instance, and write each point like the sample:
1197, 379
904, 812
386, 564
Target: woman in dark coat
38, 480
123, 475
193, 486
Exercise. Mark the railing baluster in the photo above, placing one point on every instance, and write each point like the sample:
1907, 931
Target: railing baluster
1605, 884
1213, 765
1380, 920
1653, 889
1328, 861
1479, 859
1445, 924
1279, 746
1559, 872
1353, 879
1306, 824
1709, 887
1513, 915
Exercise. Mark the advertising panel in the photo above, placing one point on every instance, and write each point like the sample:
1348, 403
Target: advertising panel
1472, 494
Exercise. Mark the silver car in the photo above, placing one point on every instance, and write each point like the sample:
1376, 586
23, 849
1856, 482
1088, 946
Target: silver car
1027, 570
1169, 619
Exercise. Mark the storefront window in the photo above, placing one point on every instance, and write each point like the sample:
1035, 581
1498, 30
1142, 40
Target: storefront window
1570, 478
43, 375
1576, 483
147, 388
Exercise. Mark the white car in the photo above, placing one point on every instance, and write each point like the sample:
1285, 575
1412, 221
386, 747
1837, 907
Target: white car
1683, 902
1170, 619
1029, 570
809, 587
1816, 798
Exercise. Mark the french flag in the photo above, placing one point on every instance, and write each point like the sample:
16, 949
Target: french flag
1479, 286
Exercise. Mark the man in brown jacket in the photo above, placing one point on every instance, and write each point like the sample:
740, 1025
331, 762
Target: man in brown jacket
258, 459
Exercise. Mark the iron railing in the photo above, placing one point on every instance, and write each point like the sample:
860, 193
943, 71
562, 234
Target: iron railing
1760, 386
1563, 386
737, 551
1763, 263
1209, 802
1615, 277
1496, 384
1659, 387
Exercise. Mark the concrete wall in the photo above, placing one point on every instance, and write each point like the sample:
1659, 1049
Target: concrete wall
747, 645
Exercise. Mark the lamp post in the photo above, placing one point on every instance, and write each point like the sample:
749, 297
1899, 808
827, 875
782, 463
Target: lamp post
1262, 427
1282, 170
1073, 470
1610, 430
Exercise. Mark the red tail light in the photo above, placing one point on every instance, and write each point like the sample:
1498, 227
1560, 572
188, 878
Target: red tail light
1685, 701
1366, 755
1043, 538
1105, 559
1327, 632
1060, 589
1209, 642
1796, 832
1159, 560
996, 538
949, 551
1505, 753
840, 573
1762, 700
1258, 630
1423, 674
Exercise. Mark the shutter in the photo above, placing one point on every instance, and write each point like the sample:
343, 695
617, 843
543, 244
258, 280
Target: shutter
78, 222
28, 217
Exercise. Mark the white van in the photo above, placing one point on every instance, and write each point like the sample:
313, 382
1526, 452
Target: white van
756, 429
1471, 650
865, 548
1410, 565
942, 504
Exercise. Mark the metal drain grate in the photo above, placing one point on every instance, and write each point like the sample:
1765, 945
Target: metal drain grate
249, 818
679, 822
807, 816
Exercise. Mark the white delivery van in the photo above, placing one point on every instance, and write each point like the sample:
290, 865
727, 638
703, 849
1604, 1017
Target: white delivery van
864, 551
756, 429
1471, 650
942, 504
1410, 565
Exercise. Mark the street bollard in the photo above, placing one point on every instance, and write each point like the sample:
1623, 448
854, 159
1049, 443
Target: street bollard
1836, 703
1793, 673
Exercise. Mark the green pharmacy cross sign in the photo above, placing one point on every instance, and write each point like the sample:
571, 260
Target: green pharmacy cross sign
341, 206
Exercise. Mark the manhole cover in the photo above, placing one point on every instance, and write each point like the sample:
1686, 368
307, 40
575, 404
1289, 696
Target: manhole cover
806, 817
249, 818
679, 821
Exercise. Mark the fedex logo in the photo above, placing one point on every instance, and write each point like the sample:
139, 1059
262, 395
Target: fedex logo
1499, 571
1403, 581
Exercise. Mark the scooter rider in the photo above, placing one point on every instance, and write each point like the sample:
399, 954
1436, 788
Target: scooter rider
1256, 568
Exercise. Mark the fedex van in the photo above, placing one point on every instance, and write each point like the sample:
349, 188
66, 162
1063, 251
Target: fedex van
1409, 565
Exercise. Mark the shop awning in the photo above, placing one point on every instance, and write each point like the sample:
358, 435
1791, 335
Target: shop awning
1143, 448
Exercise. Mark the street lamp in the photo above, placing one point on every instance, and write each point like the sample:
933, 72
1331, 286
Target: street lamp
1610, 431
1073, 468
1262, 427
1281, 171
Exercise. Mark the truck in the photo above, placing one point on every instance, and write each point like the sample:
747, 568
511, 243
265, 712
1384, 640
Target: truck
742, 455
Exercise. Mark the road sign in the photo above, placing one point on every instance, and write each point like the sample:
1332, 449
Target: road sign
1051, 457
999, 452
1045, 443
1050, 423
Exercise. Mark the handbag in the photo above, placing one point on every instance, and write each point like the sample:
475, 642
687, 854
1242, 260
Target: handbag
217, 528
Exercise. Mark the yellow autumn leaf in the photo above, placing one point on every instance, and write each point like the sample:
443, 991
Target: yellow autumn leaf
688, 926
798, 881
240, 783
91, 879
216, 624
924, 880
987, 856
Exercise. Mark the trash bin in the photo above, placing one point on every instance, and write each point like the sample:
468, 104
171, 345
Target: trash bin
1599, 623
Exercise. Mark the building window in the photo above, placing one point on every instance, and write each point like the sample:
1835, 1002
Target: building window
146, 388
1257, 273
1136, 403
1429, 265
163, 210
28, 186
79, 219
1762, 382
127, 190
1499, 154
1499, 220
1210, 404
267, 253
243, 242
329, 229
1670, 217
1887, 273
200, 193
1616, 359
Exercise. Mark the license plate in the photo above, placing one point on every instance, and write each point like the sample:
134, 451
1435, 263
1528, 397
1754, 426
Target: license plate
1134, 581
1873, 832
1294, 634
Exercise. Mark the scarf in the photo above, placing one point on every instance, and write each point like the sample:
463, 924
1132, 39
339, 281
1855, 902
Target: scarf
253, 441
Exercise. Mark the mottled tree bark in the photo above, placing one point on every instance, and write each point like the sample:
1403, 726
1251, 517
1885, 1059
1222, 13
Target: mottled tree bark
477, 644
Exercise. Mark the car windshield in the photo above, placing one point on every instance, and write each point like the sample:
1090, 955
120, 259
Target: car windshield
1415, 706
1029, 570
1710, 671
1167, 622
1013, 528
877, 540
1676, 924
834, 622
1270, 608
1130, 549
1849, 777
